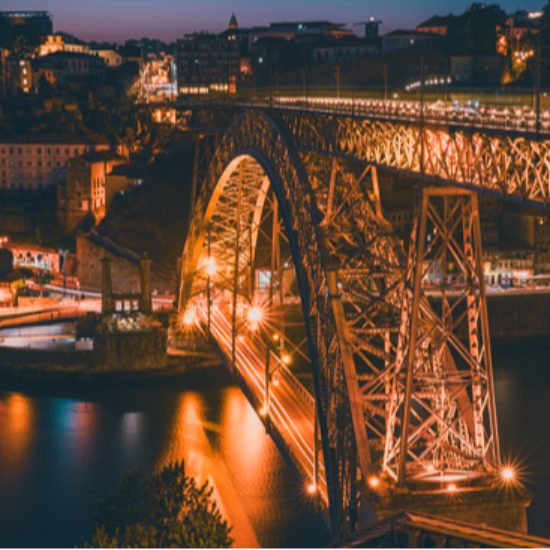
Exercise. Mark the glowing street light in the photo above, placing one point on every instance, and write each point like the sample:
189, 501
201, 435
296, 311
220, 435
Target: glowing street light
312, 488
508, 474
374, 482
286, 359
211, 267
255, 315
189, 317
451, 488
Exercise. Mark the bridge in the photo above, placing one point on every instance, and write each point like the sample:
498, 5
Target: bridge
379, 398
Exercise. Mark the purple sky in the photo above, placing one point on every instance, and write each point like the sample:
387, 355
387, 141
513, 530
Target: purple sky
118, 20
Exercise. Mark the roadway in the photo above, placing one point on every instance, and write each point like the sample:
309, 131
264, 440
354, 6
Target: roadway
291, 409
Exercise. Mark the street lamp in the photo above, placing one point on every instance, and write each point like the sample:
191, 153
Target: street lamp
337, 74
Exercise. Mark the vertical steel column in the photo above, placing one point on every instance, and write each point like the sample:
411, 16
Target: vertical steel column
316, 446
421, 243
485, 333
209, 282
274, 241
468, 213
236, 274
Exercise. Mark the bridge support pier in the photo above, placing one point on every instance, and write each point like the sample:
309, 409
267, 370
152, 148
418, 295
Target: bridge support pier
442, 447
506, 510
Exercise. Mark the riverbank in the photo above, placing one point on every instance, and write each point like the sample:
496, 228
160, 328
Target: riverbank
17, 374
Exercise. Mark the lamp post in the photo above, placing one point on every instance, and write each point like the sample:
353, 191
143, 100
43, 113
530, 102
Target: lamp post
539, 55
304, 82
337, 74
385, 72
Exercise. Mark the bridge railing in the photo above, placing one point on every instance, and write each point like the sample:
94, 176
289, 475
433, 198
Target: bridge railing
509, 118
303, 392
487, 116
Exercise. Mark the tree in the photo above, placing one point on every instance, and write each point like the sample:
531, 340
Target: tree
160, 510
42, 278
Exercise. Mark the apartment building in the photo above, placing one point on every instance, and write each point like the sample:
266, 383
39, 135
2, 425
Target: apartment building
35, 162
83, 192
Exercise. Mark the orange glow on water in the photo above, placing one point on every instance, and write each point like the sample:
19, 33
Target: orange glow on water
17, 429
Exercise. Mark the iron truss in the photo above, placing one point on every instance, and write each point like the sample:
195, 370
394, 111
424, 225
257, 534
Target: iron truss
400, 398
502, 161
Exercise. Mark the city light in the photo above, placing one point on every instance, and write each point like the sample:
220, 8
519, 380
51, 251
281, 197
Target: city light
451, 488
211, 267
189, 317
374, 482
508, 474
255, 315
263, 411
286, 359
312, 488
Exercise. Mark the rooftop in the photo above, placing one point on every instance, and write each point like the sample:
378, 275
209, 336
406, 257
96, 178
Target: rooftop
69, 38
53, 139
305, 25
68, 55
12, 276
405, 32
438, 21
100, 156
24, 13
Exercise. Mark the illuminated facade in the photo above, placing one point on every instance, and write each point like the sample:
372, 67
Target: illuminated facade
62, 42
207, 63
84, 190
34, 162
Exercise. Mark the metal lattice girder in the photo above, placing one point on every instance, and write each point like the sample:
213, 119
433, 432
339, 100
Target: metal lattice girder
375, 343
256, 142
512, 166
442, 413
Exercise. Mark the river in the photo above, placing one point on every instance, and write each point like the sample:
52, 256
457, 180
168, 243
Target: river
61, 451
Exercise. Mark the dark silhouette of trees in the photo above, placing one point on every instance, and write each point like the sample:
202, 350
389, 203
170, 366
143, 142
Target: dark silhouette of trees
160, 510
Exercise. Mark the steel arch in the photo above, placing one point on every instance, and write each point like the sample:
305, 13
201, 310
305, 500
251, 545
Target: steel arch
258, 137
355, 283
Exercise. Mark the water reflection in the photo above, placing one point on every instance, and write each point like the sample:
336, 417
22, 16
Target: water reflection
60, 455
16, 433
189, 441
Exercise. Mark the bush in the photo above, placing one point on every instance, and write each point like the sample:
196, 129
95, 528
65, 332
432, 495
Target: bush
160, 510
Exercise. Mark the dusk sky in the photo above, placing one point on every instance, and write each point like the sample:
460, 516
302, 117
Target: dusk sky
170, 19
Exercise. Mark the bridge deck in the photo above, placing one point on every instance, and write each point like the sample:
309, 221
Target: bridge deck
291, 410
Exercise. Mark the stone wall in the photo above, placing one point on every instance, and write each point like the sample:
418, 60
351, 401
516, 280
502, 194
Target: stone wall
126, 274
116, 351
505, 510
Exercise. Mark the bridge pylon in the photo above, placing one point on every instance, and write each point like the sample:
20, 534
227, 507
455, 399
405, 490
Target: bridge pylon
442, 434
442, 416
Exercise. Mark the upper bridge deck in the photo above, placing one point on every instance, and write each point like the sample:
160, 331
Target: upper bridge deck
503, 152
